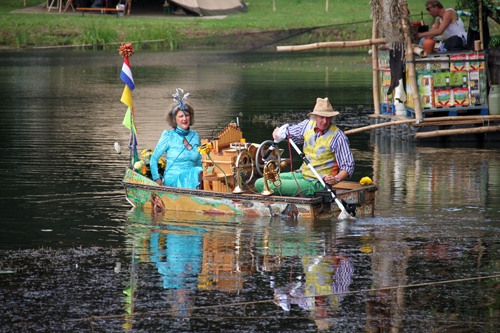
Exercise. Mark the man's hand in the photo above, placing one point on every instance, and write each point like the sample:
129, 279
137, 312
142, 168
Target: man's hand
275, 133
331, 180
159, 182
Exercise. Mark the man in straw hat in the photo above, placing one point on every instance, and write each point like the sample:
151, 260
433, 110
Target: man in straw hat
325, 146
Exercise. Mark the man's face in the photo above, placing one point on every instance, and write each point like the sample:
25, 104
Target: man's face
432, 10
323, 122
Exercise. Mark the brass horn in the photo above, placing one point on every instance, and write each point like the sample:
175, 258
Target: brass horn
238, 189
271, 172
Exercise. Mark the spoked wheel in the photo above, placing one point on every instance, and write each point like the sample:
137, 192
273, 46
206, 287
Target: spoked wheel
244, 167
259, 156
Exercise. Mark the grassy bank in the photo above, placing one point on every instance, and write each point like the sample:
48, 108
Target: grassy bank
20, 30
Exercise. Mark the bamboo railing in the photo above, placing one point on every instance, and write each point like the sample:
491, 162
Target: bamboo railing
428, 122
314, 46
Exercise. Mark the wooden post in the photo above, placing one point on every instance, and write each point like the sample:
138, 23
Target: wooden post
128, 6
375, 71
326, 9
411, 64
274, 5
481, 23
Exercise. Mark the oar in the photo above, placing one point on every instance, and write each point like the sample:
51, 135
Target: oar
343, 212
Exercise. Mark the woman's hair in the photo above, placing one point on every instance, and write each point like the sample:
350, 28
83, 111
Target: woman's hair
171, 118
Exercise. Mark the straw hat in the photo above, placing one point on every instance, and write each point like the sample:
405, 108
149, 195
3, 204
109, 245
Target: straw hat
323, 108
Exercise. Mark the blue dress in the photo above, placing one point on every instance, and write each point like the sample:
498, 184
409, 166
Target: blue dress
183, 164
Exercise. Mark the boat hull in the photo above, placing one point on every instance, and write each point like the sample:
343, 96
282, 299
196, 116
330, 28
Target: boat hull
143, 192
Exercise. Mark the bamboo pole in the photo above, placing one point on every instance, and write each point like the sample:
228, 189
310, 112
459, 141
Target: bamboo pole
481, 23
459, 118
416, 50
419, 51
476, 130
492, 117
370, 127
411, 64
365, 42
375, 71
426, 122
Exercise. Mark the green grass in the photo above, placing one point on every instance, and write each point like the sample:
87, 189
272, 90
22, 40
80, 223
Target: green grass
30, 30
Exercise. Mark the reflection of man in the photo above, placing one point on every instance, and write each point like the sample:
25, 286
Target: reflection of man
327, 281
321, 280
448, 24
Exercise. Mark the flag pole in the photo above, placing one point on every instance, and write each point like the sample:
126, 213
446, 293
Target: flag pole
126, 51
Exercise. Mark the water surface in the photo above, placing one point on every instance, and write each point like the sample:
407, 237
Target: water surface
74, 256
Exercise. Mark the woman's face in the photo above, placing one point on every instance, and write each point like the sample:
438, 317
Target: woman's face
183, 120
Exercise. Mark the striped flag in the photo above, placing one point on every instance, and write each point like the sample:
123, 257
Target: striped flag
126, 75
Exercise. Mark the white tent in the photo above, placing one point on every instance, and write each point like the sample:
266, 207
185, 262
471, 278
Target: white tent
212, 7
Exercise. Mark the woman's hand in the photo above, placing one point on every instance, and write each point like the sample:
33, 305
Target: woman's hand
159, 182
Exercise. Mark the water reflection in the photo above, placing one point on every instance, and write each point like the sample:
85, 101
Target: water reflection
66, 228
301, 264
453, 181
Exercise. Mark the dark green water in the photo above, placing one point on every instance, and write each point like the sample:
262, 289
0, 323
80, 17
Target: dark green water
74, 257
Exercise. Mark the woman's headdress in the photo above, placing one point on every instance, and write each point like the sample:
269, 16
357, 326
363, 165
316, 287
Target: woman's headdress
180, 98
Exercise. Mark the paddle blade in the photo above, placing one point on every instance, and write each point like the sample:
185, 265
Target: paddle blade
344, 215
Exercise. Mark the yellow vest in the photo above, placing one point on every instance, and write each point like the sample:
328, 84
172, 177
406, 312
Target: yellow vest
318, 151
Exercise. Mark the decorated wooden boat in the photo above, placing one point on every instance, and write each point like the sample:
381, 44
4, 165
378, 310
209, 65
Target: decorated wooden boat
145, 193
230, 168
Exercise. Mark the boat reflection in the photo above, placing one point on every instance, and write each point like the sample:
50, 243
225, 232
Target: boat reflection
196, 253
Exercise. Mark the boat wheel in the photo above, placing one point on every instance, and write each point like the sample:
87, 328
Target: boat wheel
259, 156
244, 167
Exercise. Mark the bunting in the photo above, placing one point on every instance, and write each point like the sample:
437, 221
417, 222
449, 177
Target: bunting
126, 50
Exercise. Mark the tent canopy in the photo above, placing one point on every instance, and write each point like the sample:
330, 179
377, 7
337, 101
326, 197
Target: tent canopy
212, 7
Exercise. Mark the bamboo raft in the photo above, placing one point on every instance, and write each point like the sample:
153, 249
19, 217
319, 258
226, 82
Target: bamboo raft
419, 121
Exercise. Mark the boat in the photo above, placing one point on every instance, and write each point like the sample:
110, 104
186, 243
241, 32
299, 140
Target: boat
230, 170
144, 193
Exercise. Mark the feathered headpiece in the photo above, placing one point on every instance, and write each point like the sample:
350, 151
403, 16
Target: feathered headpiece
179, 98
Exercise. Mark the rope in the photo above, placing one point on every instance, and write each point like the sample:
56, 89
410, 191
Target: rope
92, 318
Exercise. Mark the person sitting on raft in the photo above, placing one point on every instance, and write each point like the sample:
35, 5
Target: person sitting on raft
448, 24
325, 146
183, 169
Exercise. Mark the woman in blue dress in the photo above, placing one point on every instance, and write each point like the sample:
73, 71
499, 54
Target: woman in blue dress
180, 144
